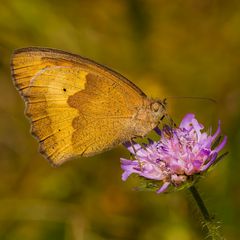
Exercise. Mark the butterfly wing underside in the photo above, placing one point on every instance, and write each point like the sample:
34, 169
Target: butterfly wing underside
76, 106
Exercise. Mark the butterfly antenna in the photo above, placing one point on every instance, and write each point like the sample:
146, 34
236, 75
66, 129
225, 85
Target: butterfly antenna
195, 98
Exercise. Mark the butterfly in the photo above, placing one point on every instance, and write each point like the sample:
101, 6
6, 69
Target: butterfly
78, 107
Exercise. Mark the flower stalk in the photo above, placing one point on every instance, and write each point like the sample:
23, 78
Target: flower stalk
200, 203
209, 223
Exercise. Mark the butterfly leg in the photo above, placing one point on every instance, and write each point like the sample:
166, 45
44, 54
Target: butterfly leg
172, 123
135, 152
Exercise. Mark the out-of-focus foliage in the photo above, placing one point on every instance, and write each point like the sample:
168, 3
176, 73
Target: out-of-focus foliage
168, 48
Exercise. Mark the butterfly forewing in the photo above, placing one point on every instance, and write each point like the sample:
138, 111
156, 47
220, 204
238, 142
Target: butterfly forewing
76, 107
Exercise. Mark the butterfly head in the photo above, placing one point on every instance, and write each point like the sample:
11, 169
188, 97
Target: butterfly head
157, 110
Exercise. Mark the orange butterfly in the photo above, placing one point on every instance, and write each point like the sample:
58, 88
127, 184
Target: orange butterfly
78, 107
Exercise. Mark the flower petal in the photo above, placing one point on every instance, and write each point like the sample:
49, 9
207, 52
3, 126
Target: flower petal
163, 188
197, 127
217, 132
158, 131
206, 166
128, 167
221, 145
186, 120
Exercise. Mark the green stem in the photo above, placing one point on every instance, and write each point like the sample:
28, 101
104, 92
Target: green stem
200, 203
209, 223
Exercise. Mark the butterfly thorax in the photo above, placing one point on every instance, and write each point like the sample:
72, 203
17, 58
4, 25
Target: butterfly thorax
148, 116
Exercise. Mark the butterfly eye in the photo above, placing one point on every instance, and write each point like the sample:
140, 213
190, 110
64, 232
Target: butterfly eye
155, 106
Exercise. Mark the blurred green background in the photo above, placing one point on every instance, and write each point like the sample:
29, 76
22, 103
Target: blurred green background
168, 48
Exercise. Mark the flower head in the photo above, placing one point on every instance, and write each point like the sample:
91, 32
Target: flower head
181, 154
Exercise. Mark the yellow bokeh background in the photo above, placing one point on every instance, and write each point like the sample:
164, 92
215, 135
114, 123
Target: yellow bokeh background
169, 49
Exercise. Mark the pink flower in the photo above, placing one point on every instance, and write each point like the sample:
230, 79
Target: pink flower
179, 155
